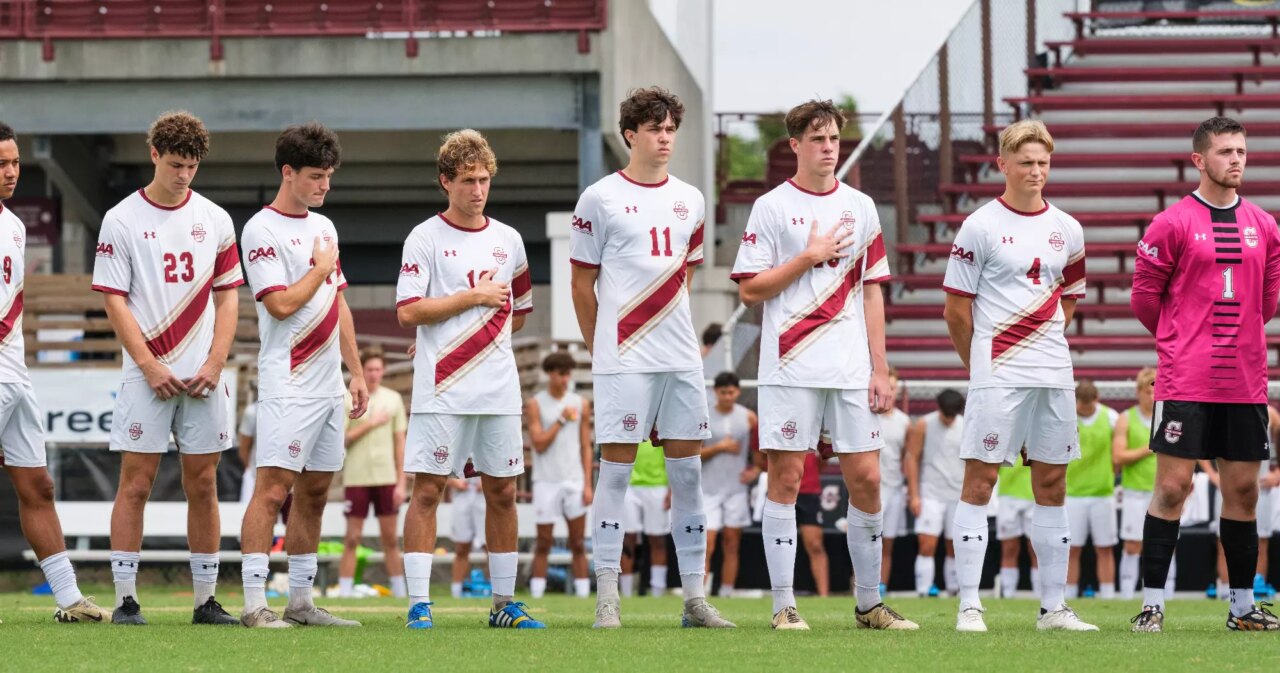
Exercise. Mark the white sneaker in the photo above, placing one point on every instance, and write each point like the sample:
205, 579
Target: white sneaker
970, 621
1062, 619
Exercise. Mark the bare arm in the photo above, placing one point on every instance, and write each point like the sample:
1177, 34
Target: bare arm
913, 453
881, 395
958, 313
246, 446
351, 358
431, 310
1068, 310
284, 303
588, 455
1121, 454
585, 303
159, 377
541, 437
517, 322
822, 247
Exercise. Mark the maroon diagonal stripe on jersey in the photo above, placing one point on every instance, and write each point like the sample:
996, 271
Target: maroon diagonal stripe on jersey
1073, 273
823, 314
638, 317
1028, 325
11, 318
477, 343
164, 342
226, 260
309, 344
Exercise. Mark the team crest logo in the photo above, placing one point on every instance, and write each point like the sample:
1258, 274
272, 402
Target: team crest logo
295, 448
789, 430
441, 454
197, 232
135, 431
1173, 431
681, 210
1251, 237
328, 240
629, 422
991, 441
847, 219
17, 239
500, 255
1056, 242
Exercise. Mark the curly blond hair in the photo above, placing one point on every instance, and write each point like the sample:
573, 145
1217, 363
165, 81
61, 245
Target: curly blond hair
464, 151
179, 132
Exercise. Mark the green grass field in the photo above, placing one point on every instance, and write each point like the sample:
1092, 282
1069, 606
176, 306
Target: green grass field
651, 640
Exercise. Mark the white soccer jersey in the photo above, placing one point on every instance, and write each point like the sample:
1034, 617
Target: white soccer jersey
893, 427
815, 330
942, 469
561, 463
1018, 266
13, 238
300, 355
168, 262
464, 365
642, 238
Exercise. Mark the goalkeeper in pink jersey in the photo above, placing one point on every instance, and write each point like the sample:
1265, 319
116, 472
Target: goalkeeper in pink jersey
1205, 284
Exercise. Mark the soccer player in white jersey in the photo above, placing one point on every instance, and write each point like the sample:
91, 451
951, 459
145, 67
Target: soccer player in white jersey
813, 254
465, 285
636, 236
559, 422
167, 266
1015, 273
21, 426
291, 258
726, 489
893, 488
934, 473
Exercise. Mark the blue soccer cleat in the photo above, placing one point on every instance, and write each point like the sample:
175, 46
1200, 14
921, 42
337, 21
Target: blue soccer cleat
419, 616
1260, 587
933, 591
514, 616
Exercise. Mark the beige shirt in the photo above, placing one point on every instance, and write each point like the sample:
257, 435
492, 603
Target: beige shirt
371, 460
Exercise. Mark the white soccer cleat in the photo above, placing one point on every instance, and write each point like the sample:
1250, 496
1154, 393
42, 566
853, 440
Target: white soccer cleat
970, 621
314, 616
607, 614
788, 619
883, 618
1062, 619
83, 611
698, 613
263, 618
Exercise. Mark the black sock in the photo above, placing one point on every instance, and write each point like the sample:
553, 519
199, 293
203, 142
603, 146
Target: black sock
1240, 547
1159, 540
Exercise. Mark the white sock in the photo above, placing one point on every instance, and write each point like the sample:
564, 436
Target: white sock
124, 571
1224, 591
970, 543
688, 524
1035, 581
864, 536
1008, 582
1129, 564
778, 528
1241, 601
346, 587
1171, 580
726, 590
1106, 591
658, 579
502, 575
1072, 591
537, 586
1051, 540
302, 578
455, 589
1154, 597
949, 575
204, 576
417, 577
926, 567
607, 510
582, 587
398, 588
253, 575
62, 579
628, 584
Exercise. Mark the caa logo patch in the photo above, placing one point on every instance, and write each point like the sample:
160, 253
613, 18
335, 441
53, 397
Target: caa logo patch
629, 422
500, 255
261, 253
789, 430
581, 225
106, 250
135, 431
991, 441
1251, 237
410, 270
961, 254
1152, 251
681, 210
748, 238
1055, 241
1173, 432
295, 448
441, 454
197, 232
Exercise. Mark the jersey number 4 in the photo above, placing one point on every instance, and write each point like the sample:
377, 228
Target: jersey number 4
171, 271
1034, 273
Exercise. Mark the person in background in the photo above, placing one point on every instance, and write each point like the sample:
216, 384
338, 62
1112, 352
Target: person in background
468, 527
648, 512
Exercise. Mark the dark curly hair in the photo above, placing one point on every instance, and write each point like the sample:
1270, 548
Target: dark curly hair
309, 145
644, 106
179, 132
6, 132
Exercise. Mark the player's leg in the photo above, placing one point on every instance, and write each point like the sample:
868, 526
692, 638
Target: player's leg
731, 543
137, 475
657, 545
271, 487
356, 504
501, 535
812, 537
1133, 512
790, 422
387, 513
1238, 533
499, 458
430, 466
204, 535
578, 554
1009, 532
929, 527
541, 550
302, 539
1078, 524
1102, 525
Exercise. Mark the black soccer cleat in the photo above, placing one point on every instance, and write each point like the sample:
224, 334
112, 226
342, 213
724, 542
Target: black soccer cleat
212, 613
129, 613
1258, 619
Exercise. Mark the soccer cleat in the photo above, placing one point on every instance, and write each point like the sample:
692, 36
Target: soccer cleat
1260, 587
882, 617
607, 614
1062, 619
420, 616
212, 613
970, 621
513, 615
933, 591
263, 618
129, 613
314, 616
698, 613
1257, 619
788, 619
85, 610
1151, 620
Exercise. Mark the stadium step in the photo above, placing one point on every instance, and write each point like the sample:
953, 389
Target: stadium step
1189, 101
1102, 129
1254, 45
1039, 78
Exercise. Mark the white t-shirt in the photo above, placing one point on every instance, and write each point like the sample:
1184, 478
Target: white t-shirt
942, 469
13, 238
464, 365
1018, 266
168, 262
893, 428
561, 463
299, 356
815, 330
642, 238
722, 473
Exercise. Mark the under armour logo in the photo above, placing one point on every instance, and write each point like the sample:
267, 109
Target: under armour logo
148, 234
704, 426
1006, 239
784, 540
1065, 539
632, 209
207, 566
876, 536
131, 564
513, 462
875, 434
797, 220
450, 253
295, 241
311, 578
615, 525
966, 538
690, 529
1202, 237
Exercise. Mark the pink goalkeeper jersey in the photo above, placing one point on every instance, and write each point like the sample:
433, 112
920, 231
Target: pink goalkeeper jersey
1205, 284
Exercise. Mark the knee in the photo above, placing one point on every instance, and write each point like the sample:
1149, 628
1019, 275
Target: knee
352, 538
36, 491
135, 490
1241, 494
426, 497
500, 493
730, 547
542, 544
866, 481
978, 489
928, 547
577, 547
1172, 490
202, 487
272, 495
1132, 548
813, 546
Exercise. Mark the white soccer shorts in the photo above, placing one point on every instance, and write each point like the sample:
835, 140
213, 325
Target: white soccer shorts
727, 511
646, 511
629, 406
468, 514
893, 502
556, 500
21, 427
143, 423
1013, 518
1133, 513
1092, 516
441, 444
794, 418
301, 433
937, 517
998, 422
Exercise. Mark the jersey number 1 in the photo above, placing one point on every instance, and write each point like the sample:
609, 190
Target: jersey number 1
1228, 287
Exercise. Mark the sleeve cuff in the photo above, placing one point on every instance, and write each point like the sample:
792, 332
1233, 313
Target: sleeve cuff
268, 290
959, 293
523, 311
695, 262
1074, 295
110, 290
229, 286
406, 302
878, 279
585, 265
739, 277
343, 286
